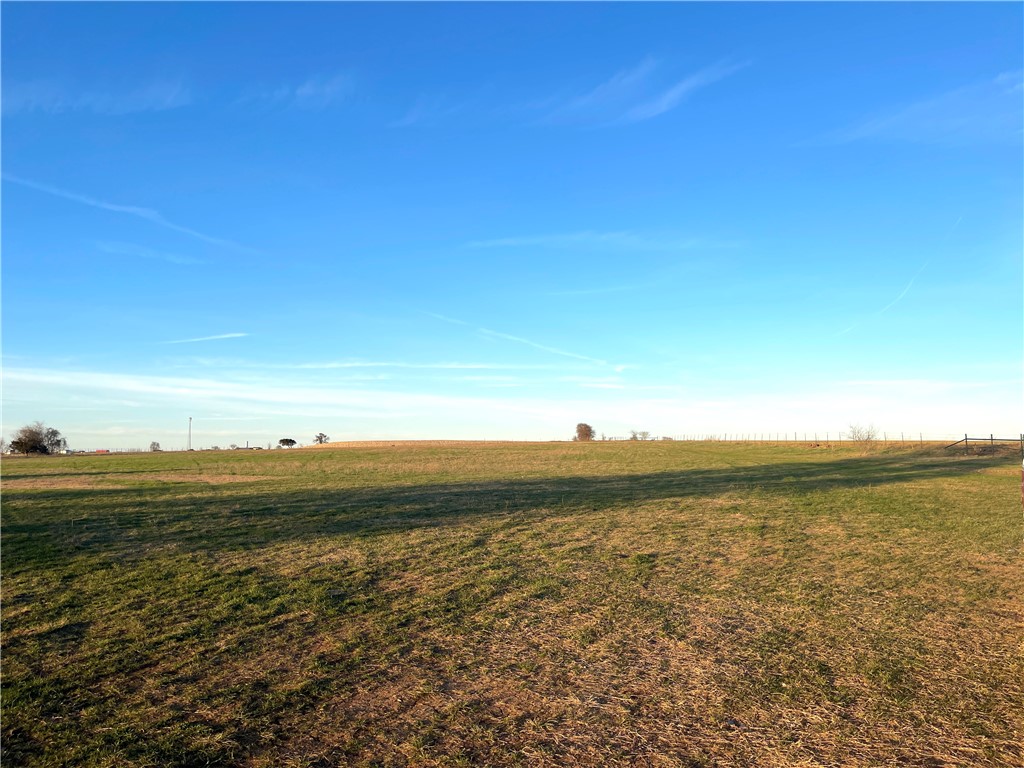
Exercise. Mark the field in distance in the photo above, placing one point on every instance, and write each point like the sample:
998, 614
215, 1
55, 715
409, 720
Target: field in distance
514, 604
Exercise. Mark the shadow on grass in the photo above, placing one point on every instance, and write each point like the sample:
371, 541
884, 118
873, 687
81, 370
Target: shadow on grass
193, 517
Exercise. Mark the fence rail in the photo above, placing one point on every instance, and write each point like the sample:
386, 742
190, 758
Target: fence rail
991, 440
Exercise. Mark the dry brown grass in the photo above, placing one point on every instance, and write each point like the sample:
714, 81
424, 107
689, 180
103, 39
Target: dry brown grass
535, 605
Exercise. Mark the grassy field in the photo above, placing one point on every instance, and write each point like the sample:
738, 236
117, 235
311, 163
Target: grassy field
663, 604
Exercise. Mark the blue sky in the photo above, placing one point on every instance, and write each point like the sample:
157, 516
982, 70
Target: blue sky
498, 220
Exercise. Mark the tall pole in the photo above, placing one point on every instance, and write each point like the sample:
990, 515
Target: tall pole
189, 433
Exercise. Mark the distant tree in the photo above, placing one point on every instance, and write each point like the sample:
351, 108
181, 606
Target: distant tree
584, 433
286, 442
154, 446
644, 435
634, 435
863, 434
233, 446
38, 438
320, 438
3, 445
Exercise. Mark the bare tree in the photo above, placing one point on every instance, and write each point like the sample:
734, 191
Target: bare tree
634, 435
584, 433
154, 446
644, 435
863, 434
320, 438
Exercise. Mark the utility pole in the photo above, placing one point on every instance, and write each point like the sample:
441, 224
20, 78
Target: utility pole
189, 434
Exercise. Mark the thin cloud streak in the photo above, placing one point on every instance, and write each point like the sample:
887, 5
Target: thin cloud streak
232, 395
414, 366
674, 96
143, 213
620, 240
427, 111
445, 318
631, 96
891, 304
520, 340
141, 252
54, 99
602, 103
986, 112
208, 338
599, 291
542, 347
904, 292
331, 365
314, 94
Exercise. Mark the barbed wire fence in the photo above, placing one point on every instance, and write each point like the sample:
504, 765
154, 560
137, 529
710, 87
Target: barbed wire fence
827, 438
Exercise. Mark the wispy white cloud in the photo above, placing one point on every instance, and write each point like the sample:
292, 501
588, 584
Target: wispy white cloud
492, 381
208, 338
289, 396
595, 382
602, 102
891, 304
412, 366
635, 95
148, 214
142, 252
445, 318
315, 93
286, 404
981, 113
621, 240
53, 98
672, 97
600, 291
331, 365
542, 347
906, 288
428, 110
487, 332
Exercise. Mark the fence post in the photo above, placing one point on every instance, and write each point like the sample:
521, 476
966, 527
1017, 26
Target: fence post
966, 444
991, 440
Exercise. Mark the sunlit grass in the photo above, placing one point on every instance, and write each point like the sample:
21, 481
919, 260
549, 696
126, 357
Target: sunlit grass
517, 604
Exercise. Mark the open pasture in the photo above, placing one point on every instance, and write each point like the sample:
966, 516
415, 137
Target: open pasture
662, 604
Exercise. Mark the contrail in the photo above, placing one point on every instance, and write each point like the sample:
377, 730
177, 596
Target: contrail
209, 338
132, 210
903, 293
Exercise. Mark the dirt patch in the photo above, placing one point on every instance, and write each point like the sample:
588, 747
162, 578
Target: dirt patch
84, 482
199, 477
43, 482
